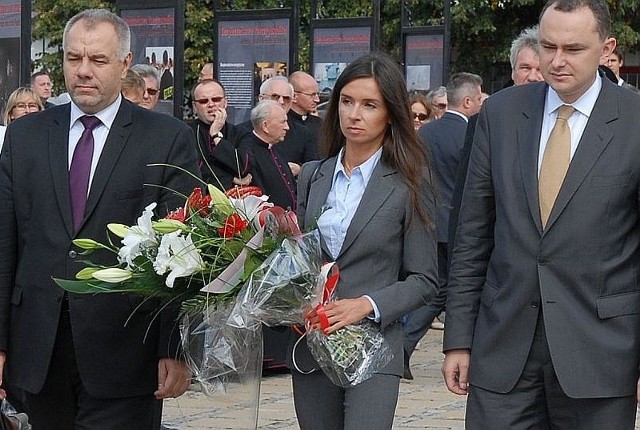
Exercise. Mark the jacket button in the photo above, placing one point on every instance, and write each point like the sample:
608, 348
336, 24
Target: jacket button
73, 254
534, 304
542, 261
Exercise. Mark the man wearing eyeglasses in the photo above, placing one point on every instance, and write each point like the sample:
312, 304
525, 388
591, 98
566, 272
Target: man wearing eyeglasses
305, 101
219, 159
151, 77
298, 146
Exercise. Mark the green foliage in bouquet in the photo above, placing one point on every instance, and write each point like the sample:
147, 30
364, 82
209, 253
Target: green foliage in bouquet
198, 255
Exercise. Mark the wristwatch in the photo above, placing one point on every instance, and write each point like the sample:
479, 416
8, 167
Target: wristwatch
218, 135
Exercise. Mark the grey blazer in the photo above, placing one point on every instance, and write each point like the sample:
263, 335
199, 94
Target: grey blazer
582, 271
385, 255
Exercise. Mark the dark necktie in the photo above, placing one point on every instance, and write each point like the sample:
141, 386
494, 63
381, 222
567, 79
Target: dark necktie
555, 162
81, 169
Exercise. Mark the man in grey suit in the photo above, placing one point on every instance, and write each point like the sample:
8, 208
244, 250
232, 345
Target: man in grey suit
87, 361
443, 139
543, 312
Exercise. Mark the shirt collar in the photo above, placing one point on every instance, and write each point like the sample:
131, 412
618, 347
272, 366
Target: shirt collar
366, 168
106, 115
584, 104
460, 114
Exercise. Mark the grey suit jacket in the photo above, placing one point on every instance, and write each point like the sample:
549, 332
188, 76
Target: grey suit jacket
582, 271
118, 337
385, 255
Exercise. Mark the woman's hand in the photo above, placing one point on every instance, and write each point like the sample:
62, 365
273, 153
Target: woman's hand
343, 312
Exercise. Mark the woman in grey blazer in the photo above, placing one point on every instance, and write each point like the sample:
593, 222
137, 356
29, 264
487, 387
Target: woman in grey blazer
373, 201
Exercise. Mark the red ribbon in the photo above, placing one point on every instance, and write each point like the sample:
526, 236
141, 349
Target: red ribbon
332, 275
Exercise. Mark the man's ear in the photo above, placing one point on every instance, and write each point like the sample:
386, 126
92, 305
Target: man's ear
608, 46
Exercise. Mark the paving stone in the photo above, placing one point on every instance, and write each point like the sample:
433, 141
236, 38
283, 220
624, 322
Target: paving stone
424, 403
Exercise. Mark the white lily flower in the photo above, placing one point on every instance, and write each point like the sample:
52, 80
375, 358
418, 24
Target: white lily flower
113, 275
138, 238
178, 255
249, 206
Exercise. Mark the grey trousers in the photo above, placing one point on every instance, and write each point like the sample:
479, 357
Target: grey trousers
321, 405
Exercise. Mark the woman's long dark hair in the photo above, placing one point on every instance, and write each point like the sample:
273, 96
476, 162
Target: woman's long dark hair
401, 148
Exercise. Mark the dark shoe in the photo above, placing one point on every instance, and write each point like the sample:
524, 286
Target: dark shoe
406, 374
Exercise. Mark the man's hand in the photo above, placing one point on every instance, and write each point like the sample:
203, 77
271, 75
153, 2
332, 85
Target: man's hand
295, 168
244, 181
219, 118
638, 392
3, 358
174, 378
456, 370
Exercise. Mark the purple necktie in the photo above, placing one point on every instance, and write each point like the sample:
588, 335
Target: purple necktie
81, 169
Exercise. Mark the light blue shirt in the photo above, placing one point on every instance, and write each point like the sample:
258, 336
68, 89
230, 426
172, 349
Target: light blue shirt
342, 202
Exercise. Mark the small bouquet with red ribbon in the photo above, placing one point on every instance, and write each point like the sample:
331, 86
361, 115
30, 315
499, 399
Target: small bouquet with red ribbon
351, 354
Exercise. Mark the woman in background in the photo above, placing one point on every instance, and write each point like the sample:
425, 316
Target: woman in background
21, 102
377, 225
421, 110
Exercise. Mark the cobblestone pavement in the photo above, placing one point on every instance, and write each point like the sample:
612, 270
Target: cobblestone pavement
424, 403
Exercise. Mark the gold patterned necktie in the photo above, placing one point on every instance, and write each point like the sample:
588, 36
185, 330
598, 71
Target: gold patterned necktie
555, 162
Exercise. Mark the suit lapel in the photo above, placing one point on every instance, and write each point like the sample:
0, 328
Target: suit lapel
116, 141
59, 164
528, 141
380, 186
318, 192
594, 140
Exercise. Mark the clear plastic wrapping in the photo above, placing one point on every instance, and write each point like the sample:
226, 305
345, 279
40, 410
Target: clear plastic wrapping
280, 291
352, 354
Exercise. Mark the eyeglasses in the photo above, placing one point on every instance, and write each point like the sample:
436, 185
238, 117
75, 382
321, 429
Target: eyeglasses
29, 106
276, 97
210, 99
312, 95
439, 105
421, 116
152, 91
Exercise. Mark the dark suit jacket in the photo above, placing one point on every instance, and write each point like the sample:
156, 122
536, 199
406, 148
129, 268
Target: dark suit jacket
384, 254
458, 188
443, 139
117, 339
582, 271
220, 163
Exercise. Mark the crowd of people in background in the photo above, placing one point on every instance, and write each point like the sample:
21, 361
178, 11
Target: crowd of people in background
466, 247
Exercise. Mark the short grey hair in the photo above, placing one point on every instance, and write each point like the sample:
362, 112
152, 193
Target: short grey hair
437, 92
263, 110
92, 17
528, 38
462, 85
264, 88
147, 71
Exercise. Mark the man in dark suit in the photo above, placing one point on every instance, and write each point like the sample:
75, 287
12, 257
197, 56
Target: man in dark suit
87, 361
219, 160
543, 312
443, 139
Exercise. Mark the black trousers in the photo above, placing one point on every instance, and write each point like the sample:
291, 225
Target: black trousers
64, 404
538, 402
